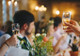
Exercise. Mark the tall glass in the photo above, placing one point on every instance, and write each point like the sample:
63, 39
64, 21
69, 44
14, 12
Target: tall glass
15, 28
66, 18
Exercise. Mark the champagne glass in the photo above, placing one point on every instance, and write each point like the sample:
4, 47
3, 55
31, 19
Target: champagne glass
66, 18
16, 30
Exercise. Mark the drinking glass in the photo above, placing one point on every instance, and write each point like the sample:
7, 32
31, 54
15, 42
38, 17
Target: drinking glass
66, 18
15, 28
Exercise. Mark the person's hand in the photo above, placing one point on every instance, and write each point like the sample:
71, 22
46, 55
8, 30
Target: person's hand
12, 41
73, 27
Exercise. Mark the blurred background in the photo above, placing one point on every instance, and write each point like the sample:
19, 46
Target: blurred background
39, 8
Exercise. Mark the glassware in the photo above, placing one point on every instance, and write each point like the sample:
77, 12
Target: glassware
15, 28
66, 18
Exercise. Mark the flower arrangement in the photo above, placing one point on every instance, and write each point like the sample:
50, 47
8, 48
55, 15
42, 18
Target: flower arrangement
42, 45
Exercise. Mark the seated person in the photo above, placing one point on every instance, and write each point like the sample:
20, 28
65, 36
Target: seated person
8, 32
60, 41
26, 21
42, 24
50, 30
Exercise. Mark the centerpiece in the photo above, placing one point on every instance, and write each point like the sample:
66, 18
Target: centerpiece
42, 46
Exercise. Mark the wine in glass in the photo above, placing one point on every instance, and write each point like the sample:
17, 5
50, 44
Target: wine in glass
66, 18
15, 28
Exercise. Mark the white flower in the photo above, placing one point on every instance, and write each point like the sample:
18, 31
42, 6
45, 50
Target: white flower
33, 36
38, 34
44, 34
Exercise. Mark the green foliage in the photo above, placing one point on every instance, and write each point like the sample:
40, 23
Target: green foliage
40, 47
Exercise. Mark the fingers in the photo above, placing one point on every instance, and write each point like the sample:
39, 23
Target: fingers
69, 31
74, 23
68, 24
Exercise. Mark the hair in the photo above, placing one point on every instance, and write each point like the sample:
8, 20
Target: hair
8, 27
51, 18
57, 21
21, 17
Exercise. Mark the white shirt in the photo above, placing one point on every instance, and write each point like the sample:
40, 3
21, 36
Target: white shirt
11, 50
4, 38
64, 43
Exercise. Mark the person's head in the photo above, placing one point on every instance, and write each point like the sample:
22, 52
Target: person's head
25, 19
57, 23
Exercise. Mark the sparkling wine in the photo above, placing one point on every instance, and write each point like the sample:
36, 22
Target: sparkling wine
67, 21
66, 18
15, 28
15, 31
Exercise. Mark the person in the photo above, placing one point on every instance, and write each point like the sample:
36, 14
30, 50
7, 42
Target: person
26, 21
8, 43
37, 28
8, 32
73, 27
50, 30
60, 41
43, 24
8, 27
2, 31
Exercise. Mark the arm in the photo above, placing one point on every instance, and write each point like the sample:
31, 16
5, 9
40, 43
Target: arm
3, 49
56, 47
73, 26
10, 42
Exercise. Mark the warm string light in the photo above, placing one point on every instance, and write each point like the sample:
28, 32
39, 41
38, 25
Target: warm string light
15, 3
36, 8
57, 12
42, 8
9, 3
12, 0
